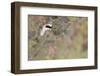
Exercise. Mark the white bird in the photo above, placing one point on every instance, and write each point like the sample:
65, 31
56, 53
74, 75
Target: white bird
45, 28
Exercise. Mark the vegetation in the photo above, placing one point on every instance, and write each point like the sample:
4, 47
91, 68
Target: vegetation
66, 40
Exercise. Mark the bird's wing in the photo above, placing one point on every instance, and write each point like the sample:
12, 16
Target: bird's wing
42, 32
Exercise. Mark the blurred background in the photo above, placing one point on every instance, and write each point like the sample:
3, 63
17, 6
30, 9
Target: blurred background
67, 38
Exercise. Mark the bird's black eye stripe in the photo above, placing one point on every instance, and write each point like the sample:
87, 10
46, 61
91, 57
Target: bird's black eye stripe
48, 27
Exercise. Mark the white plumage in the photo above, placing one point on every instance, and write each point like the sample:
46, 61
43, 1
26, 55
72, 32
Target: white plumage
45, 28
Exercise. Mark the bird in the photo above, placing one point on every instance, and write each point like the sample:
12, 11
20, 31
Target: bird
45, 28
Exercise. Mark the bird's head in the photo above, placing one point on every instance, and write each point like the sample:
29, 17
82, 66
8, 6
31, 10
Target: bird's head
48, 26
